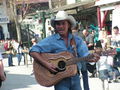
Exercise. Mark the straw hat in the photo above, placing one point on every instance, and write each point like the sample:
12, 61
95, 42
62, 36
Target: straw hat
62, 15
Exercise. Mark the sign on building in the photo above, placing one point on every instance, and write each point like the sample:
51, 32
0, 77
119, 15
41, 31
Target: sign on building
3, 14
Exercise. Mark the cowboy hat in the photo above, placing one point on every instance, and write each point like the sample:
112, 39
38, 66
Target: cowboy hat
62, 15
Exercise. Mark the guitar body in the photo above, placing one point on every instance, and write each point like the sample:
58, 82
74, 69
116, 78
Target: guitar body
46, 78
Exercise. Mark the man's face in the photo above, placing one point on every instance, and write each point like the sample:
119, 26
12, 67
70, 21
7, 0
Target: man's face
62, 27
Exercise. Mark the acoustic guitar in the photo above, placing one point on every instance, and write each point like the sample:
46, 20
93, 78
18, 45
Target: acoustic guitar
66, 64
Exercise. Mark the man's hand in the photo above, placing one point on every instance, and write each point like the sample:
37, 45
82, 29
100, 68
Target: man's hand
41, 58
51, 67
2, 76
95, 58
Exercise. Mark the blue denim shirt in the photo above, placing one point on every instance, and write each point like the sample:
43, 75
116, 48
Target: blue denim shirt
55, 44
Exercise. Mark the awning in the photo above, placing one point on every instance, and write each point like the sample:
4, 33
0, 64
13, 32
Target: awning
84, 5
103, 2
30, 1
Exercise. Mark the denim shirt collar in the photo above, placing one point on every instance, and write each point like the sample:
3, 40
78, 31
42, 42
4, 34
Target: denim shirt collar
70, 36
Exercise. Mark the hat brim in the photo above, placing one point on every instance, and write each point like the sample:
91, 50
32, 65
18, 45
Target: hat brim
69, 18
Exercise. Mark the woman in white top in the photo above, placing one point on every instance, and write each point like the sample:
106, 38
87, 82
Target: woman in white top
103, 38
115, 38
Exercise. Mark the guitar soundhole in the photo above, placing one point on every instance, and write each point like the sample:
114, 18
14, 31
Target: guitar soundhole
61, 66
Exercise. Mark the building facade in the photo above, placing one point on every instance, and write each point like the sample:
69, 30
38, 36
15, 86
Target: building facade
84, 11
4, 20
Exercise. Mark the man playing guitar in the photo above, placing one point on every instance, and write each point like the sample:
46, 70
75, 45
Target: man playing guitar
61, 42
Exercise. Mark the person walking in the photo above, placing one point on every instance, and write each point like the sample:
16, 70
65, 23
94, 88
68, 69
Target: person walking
10, 53
60, 42
115, 43
20, 53
89, 40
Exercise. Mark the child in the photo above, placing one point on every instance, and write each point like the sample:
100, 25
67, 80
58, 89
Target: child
104, 68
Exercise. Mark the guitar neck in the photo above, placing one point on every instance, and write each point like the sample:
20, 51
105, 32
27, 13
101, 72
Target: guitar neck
90, 56
75, 60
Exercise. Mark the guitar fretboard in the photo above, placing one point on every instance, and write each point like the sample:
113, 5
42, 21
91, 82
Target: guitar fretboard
90, 56
75, 60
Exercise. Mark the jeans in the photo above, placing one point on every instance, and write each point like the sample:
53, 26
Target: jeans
85, 80
19, 56
70, 83
104, 74
116, 61
10, 61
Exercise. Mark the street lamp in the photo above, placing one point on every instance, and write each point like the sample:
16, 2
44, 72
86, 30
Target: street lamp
28, 34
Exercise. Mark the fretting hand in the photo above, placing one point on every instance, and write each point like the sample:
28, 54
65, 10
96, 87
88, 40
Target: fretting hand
95, 58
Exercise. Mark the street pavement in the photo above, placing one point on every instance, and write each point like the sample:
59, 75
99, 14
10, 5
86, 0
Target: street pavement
20, 78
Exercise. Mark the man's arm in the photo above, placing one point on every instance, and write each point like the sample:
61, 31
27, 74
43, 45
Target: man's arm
42, 60
2, 75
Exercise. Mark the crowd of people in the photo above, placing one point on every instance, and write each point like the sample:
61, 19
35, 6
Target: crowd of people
12, 48
107, 66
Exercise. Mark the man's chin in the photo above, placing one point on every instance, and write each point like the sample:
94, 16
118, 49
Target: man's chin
61, 32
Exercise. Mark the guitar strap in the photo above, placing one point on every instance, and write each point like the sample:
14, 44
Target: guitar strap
73, 44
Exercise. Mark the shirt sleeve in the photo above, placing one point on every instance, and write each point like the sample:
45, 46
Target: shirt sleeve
41, 47
46, 45
82, 48
1, 56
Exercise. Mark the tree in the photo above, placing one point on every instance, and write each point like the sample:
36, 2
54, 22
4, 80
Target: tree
13, 12
24, 10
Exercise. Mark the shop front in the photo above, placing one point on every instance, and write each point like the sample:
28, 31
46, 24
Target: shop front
108, 14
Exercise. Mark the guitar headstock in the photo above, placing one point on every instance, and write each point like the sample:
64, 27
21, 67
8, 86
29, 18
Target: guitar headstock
109, 52
105, 52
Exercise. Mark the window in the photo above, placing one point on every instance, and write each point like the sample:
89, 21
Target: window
1, 2
1, 33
